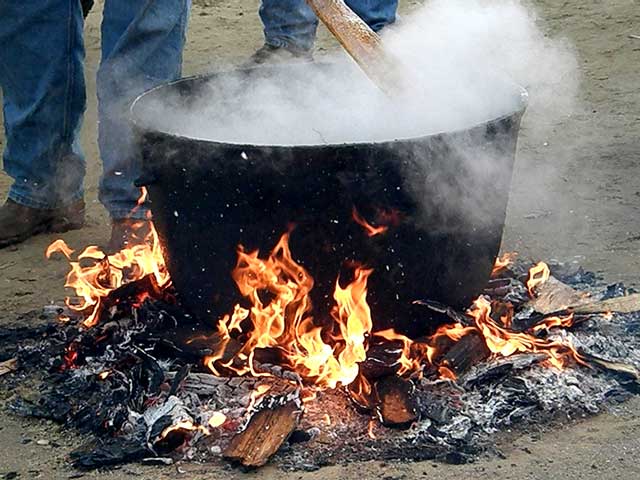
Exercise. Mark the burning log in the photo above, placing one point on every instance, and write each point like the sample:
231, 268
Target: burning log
267, 430
397, 405
468, 351
382, 360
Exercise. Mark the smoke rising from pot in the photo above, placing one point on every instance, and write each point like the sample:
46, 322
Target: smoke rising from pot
464, 61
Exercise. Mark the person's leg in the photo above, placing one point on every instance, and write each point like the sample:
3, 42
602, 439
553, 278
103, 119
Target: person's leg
288, 23
43, 100
142, 43
376, 13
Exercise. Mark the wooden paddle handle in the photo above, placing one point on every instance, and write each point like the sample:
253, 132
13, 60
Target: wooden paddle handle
361, 43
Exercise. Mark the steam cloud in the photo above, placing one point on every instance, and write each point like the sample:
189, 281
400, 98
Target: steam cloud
464, 61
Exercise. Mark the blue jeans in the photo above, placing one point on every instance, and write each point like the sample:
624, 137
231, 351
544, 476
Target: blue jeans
42, 81
292, 23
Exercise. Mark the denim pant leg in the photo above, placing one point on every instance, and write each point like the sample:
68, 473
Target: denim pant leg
288, 23
41, 57
142, 43
376, 13
292, 23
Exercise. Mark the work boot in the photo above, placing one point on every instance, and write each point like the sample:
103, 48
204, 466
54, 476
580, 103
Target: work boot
19, 222
127, 232
268, 54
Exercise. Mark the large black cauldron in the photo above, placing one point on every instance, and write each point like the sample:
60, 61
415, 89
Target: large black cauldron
444, 197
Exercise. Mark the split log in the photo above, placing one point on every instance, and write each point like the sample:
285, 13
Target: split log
397, 404
8, 366
625, 372
627, 304
132, 290
583, 311
556, 297
267, 430
465, 353
553, 296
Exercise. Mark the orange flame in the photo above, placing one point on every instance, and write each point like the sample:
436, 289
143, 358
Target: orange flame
503, 262
370, 230
329, 356
503, 342
217, 419
538, 274
446, 373
257, 394
94, 275
551, 322
185, 426
413, 353
370, 428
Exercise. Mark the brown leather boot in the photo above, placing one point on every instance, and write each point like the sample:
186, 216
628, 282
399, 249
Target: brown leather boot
127, 232
18, 222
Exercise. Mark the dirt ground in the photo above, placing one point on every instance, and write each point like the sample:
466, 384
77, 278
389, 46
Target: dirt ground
588, 167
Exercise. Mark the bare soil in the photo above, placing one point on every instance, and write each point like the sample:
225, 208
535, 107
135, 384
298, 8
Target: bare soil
588, 169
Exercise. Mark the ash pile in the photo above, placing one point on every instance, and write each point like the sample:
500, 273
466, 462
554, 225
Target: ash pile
148, 383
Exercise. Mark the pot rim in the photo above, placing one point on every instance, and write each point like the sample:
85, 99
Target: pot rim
139, 123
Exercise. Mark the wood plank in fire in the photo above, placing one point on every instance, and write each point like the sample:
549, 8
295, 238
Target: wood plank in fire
267, 430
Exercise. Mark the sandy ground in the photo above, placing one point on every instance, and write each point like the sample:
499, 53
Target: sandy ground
588, 167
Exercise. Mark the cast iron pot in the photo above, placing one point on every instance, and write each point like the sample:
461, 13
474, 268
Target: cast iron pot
443, 197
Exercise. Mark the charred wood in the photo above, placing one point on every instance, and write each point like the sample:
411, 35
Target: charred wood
107, 452
626, 374
382, 360
397, 405
465, 353
446, 310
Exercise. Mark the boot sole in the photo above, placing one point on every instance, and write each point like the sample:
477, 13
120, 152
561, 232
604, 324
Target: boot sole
55, 226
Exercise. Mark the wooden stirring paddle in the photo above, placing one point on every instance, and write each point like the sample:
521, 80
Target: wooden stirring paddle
361, 43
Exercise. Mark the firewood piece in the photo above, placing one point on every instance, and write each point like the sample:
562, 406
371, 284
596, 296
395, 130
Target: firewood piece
626, 373
267, 430
180, 376
500, 367
8, 366
553, 296
129, 291
438, 307
397, 407
465, 353
627, 304
382, 360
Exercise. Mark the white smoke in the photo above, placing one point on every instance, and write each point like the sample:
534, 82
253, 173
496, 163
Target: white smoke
465, 59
